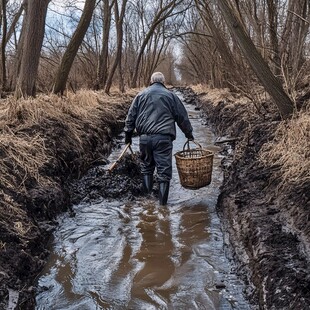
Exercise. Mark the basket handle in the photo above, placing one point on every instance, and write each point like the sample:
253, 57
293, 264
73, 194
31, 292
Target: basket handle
187, 144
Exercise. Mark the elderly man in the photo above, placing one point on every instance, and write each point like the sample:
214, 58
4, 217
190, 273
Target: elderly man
153, 113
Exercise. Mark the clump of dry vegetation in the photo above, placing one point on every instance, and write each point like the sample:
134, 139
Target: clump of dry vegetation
217, 95
213, 94
22, 154
290, 151
24, 127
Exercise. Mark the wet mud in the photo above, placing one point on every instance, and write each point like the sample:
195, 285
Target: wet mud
267, 230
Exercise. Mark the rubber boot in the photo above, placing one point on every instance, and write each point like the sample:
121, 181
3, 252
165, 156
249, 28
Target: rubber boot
163, 193
147, 183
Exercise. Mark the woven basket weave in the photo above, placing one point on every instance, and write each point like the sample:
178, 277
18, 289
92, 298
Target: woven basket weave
194, 166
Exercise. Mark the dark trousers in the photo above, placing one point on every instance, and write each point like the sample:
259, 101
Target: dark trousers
156, 151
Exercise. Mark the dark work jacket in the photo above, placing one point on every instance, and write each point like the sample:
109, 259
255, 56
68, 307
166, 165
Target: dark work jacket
155, 110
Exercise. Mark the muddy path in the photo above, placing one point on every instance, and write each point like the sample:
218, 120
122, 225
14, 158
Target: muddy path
121, 250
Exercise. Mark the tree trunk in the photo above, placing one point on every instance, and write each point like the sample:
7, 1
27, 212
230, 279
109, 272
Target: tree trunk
14, 22
273, 32
19, 48
3, 44
73, 47
118, 58
103, 58
256, 61
162, 14
32, 44
294, 36
6, 36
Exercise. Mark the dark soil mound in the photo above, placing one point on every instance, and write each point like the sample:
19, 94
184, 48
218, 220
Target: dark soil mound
124, 181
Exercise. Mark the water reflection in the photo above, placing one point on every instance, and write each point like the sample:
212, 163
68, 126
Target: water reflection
154, 254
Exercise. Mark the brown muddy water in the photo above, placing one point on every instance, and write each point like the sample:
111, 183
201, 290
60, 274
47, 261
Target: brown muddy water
139, 255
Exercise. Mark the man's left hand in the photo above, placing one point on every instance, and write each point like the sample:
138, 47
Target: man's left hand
128, 139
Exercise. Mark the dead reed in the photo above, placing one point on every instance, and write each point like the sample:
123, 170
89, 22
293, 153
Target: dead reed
290, 150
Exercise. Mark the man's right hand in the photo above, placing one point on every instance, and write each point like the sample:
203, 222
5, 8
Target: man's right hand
128, 139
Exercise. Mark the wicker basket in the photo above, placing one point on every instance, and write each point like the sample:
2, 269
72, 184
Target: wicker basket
194, 166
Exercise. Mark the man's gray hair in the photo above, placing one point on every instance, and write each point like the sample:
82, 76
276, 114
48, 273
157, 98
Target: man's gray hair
157, 77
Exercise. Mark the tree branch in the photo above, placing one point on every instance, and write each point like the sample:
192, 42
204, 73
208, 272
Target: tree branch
298, 16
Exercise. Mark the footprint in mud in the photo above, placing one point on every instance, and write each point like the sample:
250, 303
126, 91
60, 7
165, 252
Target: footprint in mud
125, 216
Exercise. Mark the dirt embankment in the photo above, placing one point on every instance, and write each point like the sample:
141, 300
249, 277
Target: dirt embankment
44, 144
264, 201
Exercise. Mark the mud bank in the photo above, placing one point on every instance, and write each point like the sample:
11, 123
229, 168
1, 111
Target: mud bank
267, 228
63, 139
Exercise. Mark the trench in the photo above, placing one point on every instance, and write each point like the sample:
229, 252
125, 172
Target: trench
135, 254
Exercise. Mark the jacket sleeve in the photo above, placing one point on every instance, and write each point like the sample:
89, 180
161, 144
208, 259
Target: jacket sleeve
130, 122
181, 117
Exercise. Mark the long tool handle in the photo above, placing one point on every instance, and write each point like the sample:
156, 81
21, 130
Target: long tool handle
121, 156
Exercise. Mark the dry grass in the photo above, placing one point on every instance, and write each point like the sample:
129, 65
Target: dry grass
33, 132
32, 111
25, 153
252, 97
290, 150
22, 157
216, 95
14, 218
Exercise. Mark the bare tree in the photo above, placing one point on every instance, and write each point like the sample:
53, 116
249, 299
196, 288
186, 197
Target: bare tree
273, 17
256, 61
164, 11
156, 47
104, 55
7, 32
15, 20
293, 40
31, 46
119, 18
73, 47
229, 66
3, 44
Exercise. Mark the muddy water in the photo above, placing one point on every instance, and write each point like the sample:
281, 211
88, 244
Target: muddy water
139, 255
